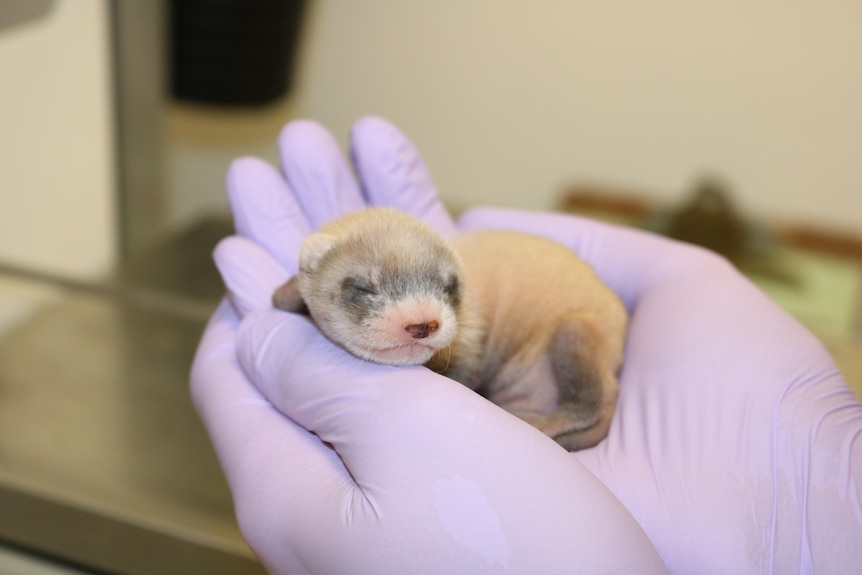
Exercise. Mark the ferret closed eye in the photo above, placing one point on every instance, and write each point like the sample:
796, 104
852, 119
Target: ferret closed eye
518, 318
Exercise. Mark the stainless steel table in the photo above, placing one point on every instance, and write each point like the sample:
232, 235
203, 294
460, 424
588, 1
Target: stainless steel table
103, 461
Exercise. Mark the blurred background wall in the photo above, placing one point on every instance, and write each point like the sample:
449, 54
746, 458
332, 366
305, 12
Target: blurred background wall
511, 101
57, 188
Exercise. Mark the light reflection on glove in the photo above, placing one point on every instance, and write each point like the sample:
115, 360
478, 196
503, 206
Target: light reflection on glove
735, 444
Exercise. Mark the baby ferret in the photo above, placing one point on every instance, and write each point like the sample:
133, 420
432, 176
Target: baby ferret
516, 317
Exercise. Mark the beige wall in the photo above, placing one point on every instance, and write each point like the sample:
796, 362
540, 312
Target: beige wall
510, 101
56, 164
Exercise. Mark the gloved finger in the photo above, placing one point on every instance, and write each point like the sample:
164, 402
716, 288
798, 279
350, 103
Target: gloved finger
276, 470
317, 172
409, 439
265, 210
392, 173
629, 261
249, 272
340, 397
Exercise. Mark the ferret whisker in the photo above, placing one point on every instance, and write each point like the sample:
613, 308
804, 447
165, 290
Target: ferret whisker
448, 357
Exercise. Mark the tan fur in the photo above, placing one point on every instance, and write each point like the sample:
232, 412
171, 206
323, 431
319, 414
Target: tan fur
374, 247
531, 292
536, 331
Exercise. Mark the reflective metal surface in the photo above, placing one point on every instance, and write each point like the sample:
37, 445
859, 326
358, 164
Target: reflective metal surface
103, 461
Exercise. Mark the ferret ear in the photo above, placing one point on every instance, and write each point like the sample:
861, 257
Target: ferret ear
288, 298
313, 249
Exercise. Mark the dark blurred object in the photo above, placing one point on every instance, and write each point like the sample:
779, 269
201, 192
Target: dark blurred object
836, 243
710, 219
750, 244
233, 52
707, 217
607, 202
17, 12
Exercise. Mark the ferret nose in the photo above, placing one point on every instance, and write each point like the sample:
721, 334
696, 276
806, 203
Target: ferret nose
421, 330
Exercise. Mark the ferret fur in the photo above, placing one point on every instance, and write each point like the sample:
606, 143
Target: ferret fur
516, 317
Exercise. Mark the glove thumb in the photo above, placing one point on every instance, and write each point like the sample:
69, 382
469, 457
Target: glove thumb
249, 272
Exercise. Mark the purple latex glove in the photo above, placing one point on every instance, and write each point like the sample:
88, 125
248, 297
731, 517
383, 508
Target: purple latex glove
402, 470
736, 443
733, 445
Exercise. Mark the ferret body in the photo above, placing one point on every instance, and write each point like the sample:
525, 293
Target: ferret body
516, 317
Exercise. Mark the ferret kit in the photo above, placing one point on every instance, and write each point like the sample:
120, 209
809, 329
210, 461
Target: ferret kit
516, 317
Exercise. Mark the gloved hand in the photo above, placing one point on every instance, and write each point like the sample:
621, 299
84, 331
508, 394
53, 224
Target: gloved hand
736, 443
401, 470
733, 444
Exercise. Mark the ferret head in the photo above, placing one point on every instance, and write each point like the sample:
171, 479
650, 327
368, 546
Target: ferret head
380, 284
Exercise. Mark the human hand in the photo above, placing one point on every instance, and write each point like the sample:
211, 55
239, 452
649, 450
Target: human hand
736, 443
339, 465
